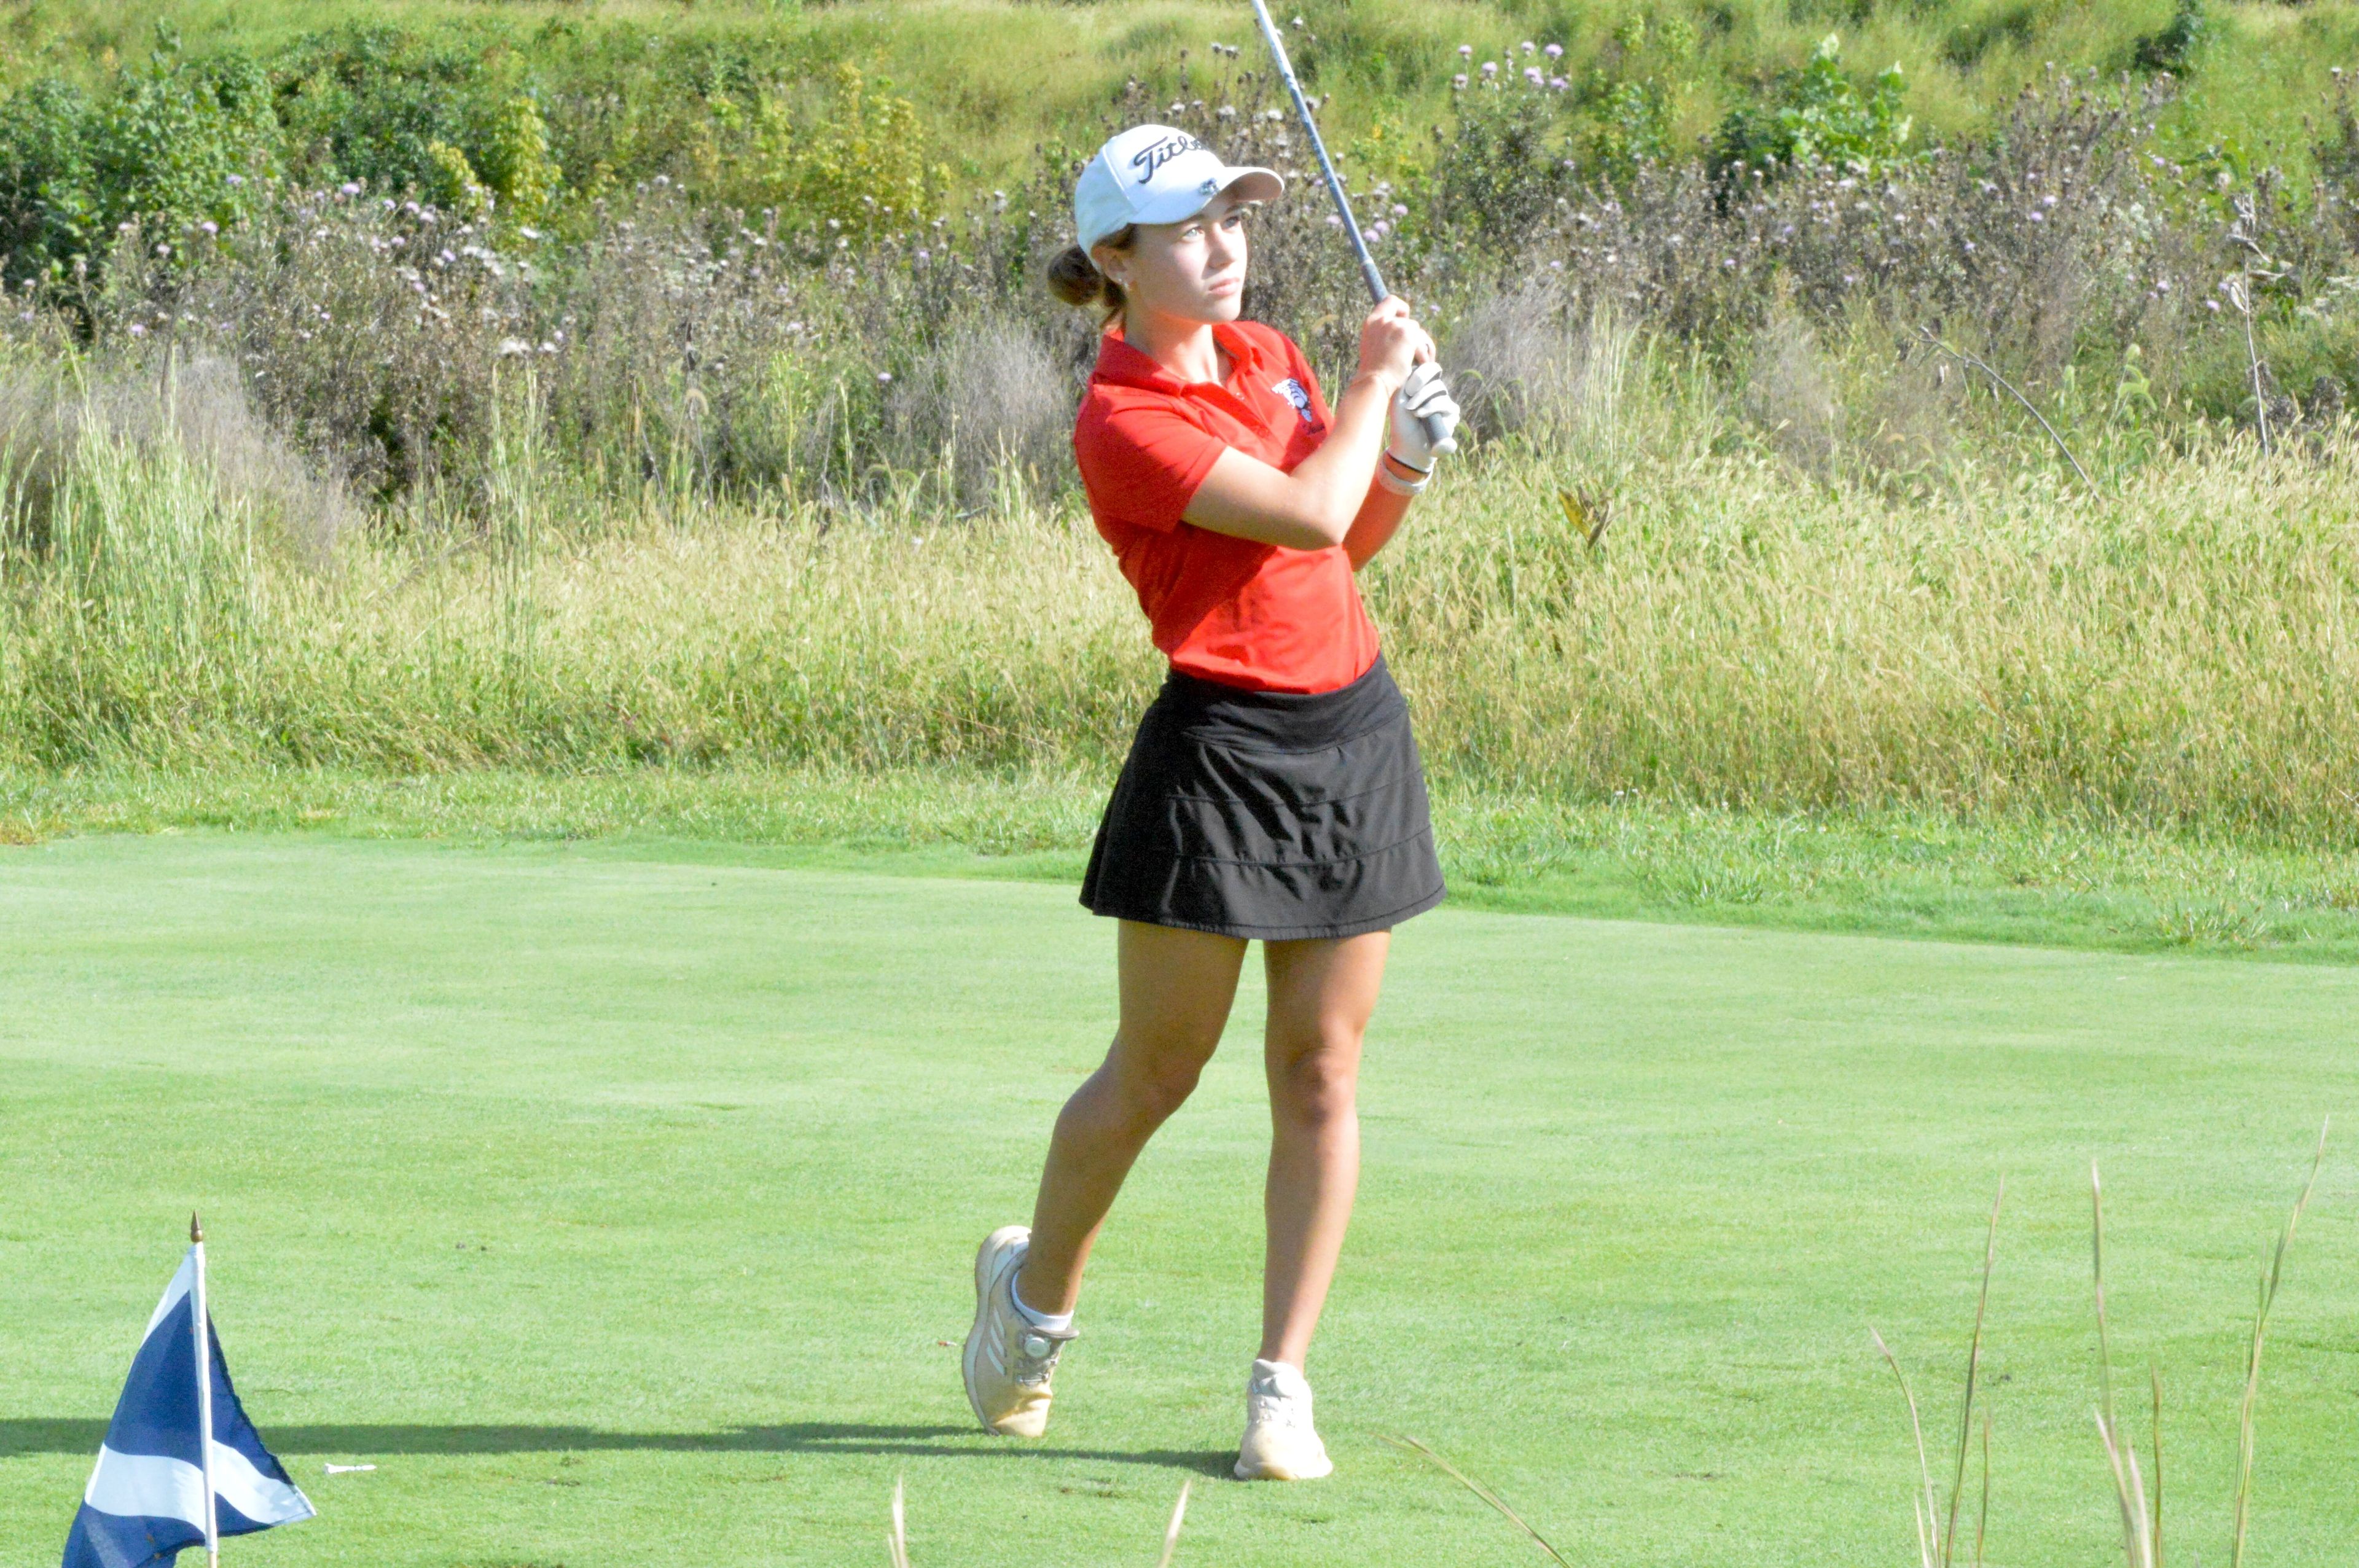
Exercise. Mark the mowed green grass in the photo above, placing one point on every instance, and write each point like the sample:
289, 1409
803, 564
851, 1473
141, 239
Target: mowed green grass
617, 1203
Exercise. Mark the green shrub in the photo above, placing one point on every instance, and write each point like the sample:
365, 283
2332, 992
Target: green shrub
454, 186
517, 161
1631, 127
2174, 48
48, 209
1499, 171
862, 168
174, 146
372, 103
1819, 117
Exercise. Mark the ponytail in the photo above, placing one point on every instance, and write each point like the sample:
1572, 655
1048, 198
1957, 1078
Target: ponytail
1074, 278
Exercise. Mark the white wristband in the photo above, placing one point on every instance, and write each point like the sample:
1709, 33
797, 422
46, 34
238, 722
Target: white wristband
1394, 482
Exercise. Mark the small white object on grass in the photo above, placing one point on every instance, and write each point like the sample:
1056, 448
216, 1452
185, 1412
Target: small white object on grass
347, 1469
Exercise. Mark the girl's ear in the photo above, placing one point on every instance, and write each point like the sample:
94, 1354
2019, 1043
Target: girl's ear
1109, 262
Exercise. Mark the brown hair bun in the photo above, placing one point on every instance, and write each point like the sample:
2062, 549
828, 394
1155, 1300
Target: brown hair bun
1074, 278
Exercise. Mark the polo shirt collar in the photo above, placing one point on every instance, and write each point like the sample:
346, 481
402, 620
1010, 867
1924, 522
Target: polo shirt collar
1126, 366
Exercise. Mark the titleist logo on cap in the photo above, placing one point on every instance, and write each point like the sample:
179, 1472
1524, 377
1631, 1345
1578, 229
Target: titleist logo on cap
1149, 158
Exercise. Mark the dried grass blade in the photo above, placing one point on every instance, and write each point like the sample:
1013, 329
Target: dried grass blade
1482, 1491
1982, 1520
2016, 393
2270, 1279
2097, 1270
2153, 1375
1917, 1429
1973, 1367
2125, 1493
1172, 1535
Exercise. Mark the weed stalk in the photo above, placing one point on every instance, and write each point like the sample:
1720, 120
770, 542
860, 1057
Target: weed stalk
2271, 1278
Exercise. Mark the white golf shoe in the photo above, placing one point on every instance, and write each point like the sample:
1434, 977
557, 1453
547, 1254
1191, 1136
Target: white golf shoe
1009, 1357
1280, 1444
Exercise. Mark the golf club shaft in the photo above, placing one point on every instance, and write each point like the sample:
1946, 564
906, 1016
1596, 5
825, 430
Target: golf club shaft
1377, 292
1435, 433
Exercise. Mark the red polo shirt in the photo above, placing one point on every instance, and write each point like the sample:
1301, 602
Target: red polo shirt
1246, 614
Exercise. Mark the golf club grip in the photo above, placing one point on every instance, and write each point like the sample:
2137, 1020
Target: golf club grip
1437, 437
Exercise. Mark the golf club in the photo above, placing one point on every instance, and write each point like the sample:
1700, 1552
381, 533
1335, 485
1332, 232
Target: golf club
1436, 435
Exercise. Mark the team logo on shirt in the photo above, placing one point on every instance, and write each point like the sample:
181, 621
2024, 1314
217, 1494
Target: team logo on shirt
1293, 391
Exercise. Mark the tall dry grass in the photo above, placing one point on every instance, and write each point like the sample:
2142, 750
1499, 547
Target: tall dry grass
2179, 648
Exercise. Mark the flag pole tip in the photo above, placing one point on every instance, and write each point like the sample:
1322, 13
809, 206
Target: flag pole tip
196, 1229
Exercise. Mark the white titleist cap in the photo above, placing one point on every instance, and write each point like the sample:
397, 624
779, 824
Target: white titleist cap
1153, 174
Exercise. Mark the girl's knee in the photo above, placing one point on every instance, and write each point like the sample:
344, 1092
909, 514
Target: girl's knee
1153, 1078
1319, 1086
1157, 1093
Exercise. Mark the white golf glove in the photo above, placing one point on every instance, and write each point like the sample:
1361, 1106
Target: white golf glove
1422, 411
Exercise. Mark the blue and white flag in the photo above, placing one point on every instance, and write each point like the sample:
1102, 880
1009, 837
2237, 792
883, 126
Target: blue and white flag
145, 1501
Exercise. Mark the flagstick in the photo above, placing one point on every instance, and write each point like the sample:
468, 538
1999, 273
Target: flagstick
205, 1397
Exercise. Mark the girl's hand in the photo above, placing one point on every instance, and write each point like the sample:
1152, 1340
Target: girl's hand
1424, 420
1392, 345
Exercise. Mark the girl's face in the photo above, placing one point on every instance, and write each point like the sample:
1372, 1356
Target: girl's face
1194, 270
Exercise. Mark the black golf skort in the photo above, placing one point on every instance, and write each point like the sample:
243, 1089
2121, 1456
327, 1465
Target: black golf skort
1275, 815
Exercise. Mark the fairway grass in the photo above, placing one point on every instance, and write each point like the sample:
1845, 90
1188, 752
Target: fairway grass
2018, 878
617, 1202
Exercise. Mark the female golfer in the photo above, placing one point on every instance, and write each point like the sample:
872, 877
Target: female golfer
1274, 790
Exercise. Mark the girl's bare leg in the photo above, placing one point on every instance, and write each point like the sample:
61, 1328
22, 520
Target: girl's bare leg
1177, 987
1321, 995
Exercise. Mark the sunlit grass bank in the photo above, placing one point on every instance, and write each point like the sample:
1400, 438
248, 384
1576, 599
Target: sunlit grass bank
992, 76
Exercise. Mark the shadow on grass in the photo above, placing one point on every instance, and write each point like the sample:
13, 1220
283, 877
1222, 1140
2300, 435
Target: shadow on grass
37, 1435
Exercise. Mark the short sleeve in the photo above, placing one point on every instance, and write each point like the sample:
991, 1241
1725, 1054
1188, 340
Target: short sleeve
1141, 463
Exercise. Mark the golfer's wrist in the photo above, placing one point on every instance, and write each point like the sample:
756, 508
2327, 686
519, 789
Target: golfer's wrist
1399, 478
